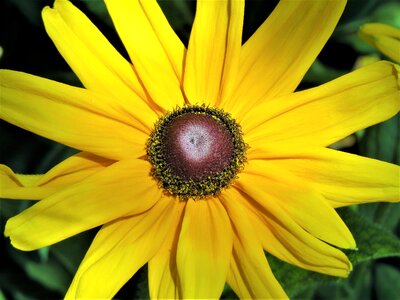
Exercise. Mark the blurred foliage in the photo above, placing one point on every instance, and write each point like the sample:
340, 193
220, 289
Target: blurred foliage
47, 273
382, 141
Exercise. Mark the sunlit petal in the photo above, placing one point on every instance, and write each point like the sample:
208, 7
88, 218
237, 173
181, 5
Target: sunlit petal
284, 238
35, 187
163, 275
342, 178
384, 37
122, 247
156, 52
213, 54
308, 208
249, 275
93, 59
119, 190
325, 114
73, 116
282, 49
204, 249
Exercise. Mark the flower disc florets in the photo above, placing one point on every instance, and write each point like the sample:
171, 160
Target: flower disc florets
196, 151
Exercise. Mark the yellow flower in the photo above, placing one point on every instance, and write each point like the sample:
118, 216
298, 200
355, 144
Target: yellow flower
384, 37
146, 129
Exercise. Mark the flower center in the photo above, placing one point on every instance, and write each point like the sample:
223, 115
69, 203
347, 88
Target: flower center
196, 151
197, 145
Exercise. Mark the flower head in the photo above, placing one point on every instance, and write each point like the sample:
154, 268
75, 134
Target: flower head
384, 37
196, 160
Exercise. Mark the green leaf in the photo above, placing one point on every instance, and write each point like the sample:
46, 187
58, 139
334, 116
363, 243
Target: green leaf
387, 282
44, 254
358, 286
373, 240
15, 281
49, 274
21, 296
295, 280
388, 13
384, 214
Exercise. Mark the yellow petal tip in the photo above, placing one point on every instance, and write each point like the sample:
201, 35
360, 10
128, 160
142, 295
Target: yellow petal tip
46, 9
350, 269
396, 73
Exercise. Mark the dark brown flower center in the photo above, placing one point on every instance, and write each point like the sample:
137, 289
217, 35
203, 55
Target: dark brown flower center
196, 151
197, 146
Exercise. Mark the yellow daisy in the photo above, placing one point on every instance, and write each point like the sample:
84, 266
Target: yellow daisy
196, 161
384, 37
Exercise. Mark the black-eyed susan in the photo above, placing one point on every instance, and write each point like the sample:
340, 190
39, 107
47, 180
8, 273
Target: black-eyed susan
197, 160
384, 37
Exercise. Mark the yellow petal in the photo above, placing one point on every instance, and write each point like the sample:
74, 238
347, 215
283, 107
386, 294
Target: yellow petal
328, 113
285, 239
11, 182
204, 249
384, 37
35, 187
155, 50
250, 275
213, 54
124, 188
389, 46
342, 178
163, 275
72, 116
372, 29
119, 249
305, 206
274, 60
92, 58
